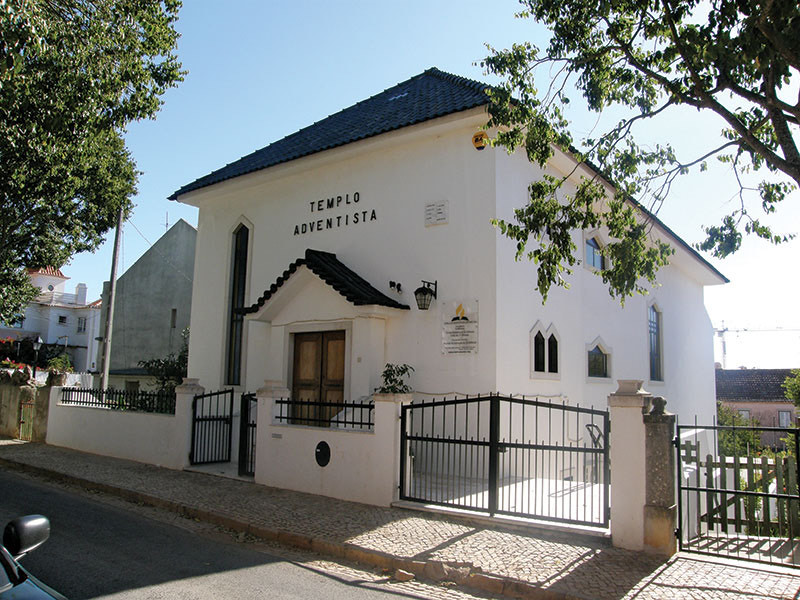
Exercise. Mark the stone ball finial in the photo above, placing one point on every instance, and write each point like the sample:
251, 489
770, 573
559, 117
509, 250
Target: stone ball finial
658, 406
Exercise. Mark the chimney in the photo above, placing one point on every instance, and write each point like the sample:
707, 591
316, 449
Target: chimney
80, 294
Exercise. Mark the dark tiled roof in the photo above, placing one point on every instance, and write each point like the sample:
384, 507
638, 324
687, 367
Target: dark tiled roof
337, 275
426, 96
752, 385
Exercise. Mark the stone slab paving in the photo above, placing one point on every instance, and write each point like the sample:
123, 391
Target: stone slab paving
494, 559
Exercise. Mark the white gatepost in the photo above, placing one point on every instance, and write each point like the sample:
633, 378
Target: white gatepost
387, 435
627, 455
642, 470
267, 411
184, 402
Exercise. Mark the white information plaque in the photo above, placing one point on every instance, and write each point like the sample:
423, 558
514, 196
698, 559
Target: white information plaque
437, 213
460, 327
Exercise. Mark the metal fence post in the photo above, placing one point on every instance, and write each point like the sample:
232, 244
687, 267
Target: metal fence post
403, 452
494, 451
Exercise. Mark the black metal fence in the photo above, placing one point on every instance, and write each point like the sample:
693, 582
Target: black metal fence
127, 400
736, 500
212, 426
357, 416
247, 434
512, 456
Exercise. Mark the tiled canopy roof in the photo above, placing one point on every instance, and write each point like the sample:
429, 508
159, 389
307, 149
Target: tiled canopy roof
337, 275
52, 271
426, 96
751, 385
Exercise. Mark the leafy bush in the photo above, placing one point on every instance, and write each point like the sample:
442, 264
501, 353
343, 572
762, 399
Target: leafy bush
170, 370
60, 364
393, 377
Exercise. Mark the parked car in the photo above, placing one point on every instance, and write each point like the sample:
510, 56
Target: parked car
20, 537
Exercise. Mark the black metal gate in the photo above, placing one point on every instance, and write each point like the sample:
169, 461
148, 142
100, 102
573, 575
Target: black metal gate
738, 492
509, 456
247, 435
212, 425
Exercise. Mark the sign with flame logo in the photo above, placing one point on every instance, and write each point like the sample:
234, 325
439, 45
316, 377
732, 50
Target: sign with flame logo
460, 327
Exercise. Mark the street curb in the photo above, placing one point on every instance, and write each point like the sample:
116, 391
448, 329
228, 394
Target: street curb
465, 574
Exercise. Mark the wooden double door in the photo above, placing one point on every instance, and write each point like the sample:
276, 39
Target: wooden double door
318, 376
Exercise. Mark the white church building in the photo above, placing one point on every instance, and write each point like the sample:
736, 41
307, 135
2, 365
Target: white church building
310, 250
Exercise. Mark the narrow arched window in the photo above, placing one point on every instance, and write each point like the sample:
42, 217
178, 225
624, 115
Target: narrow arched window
552, 354
654, 330
237, 301
538, 352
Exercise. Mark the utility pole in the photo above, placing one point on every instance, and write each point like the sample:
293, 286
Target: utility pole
111, 298
721, 333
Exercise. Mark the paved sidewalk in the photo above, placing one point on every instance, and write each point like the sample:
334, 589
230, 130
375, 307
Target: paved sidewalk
492, 559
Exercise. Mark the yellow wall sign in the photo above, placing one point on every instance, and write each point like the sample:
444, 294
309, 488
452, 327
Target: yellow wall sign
480, 140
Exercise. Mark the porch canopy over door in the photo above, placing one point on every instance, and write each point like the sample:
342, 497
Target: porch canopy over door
325, 337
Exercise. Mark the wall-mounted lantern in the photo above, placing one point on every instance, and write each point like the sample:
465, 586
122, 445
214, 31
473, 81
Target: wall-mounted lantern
425, 293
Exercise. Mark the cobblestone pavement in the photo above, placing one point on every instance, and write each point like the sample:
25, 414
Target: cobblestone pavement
435, 547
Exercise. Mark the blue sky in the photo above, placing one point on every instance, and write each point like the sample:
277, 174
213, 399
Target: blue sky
261, 70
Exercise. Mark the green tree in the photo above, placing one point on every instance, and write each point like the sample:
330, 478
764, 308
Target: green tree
737, 442
736, 59
170, 370
792, 387
73, 75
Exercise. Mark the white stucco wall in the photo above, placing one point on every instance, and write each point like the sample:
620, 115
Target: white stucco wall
363, 467
396, 175
155, 439
586, 314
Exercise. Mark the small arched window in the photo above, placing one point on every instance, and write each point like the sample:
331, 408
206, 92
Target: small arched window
598, 362
538, 352
594, 258
544, 351
552, 354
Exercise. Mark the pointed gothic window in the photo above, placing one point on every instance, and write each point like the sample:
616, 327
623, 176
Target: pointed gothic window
237, 300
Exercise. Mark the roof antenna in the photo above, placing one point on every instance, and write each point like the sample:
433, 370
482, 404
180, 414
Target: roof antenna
166, 222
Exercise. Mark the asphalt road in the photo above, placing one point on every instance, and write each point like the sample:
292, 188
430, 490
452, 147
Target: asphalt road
101, 551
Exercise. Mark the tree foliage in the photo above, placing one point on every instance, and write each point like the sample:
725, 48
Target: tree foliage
792, 387
738, 60
737, 442
393, 379
73, 75
170, 370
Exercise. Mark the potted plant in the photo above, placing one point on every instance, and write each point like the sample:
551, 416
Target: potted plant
57, 368
393, 379
394, 387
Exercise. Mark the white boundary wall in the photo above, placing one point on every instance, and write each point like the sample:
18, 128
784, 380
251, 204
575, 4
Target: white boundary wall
161, 440
364, 465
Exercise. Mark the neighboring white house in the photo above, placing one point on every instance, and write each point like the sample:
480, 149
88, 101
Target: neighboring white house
60, 318
309, 252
